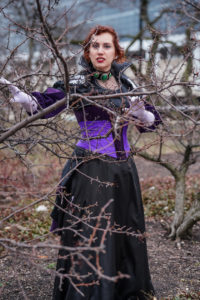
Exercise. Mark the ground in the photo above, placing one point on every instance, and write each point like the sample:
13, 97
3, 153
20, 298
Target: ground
174, 271
175, 267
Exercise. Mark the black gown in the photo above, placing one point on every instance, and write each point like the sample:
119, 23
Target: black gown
123, 253
100, 174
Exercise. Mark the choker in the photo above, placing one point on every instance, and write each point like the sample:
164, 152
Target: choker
102, 76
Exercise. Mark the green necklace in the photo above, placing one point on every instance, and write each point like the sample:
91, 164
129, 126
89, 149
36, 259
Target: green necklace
102, 76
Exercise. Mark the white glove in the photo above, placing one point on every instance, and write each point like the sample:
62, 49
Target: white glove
13, 89
137, 109
27, 101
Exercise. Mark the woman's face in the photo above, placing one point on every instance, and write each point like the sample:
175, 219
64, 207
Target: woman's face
102, 51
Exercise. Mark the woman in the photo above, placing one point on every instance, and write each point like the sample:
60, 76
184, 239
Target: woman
101, 174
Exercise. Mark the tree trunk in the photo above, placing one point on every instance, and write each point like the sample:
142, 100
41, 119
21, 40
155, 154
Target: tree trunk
189, 64
143, 17
179, 203
192, 217
181, 225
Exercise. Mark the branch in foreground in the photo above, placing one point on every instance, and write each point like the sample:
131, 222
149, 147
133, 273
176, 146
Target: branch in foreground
89, 99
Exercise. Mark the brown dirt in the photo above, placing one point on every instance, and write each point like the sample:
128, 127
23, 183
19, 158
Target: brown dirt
175, 267
174, 270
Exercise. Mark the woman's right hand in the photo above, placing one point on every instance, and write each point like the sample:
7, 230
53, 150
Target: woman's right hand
13, 89
27, 101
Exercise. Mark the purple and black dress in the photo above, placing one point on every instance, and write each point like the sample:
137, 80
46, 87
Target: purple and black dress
101, 171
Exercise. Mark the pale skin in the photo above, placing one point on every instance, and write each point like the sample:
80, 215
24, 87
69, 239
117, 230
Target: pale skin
102, 53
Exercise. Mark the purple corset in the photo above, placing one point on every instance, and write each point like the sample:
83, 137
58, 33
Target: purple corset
98, 134
98, 137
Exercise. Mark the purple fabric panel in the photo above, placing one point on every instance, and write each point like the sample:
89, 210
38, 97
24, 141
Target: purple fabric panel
94, 128
49, 97
54, 225
100, 145
157, 121
119, 146
125, 140
91, 112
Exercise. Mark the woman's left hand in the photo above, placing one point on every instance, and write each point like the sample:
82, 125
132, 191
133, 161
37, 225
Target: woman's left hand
137, 109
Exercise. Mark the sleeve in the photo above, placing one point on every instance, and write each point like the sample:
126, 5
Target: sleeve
49, 97
57, 92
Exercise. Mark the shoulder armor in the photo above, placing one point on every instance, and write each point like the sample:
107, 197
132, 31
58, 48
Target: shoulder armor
59, 85
77, 80
133, 85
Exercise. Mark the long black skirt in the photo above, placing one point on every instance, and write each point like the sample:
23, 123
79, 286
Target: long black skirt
101, 208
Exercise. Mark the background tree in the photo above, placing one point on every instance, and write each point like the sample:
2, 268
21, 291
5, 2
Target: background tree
175, 79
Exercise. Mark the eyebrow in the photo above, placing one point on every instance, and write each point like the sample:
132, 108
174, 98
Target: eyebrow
106, 43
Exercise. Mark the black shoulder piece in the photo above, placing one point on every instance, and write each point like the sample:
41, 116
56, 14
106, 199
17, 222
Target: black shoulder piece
130, 83
77, 80
83, 72
59, 85
74, 81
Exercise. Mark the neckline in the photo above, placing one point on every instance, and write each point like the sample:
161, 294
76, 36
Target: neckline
106, 89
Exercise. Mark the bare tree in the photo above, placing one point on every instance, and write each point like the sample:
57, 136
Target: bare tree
176, 74
50, 53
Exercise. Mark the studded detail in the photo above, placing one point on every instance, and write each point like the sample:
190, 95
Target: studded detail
77, 80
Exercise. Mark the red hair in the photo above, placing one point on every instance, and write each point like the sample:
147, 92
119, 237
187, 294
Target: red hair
97, 30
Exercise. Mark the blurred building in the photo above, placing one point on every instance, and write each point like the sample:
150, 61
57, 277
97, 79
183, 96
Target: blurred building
123, 15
